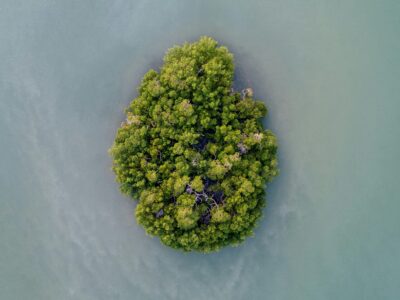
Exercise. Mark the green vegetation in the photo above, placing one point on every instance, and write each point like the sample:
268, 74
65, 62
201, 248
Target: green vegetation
194, 152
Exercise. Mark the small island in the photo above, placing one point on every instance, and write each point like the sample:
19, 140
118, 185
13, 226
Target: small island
193, 151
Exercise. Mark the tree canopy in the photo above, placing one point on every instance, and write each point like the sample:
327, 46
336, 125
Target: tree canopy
194, 152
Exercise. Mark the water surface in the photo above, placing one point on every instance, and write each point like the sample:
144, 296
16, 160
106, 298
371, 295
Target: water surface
327, 70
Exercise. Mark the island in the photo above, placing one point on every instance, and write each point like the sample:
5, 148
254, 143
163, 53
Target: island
193, 151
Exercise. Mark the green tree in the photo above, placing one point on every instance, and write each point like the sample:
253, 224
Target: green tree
194, 152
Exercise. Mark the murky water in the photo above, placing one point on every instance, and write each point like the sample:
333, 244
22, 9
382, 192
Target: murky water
329, 72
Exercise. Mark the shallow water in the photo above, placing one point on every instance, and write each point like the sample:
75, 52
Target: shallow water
329, 72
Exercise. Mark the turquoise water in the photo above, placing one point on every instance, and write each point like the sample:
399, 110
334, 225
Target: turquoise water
329, 72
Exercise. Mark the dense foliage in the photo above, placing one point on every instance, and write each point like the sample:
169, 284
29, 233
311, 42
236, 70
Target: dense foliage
194, 152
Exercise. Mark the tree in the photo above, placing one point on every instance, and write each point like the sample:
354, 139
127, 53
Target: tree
194, 152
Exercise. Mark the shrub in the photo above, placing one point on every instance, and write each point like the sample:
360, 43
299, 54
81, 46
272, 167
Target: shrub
194, 152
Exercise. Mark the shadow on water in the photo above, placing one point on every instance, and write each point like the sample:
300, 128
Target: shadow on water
249, 76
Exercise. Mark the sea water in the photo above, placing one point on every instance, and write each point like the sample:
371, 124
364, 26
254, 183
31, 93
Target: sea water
329, 72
